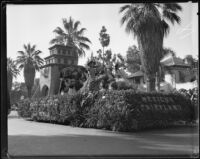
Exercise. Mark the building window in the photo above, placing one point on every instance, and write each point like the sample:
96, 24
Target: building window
62, 61
54, 51
61, 51
75, 62
69, 62
58, 60
67, 52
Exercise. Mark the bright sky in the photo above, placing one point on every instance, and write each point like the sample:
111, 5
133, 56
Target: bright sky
35, 24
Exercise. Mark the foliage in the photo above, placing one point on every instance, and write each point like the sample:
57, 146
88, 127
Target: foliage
147, 22
133, 59
127, 110
123, 85
74, 76
168, 51
24, 108
30, 61
72, 36
124, 110
12, 71
18, 90
104, 38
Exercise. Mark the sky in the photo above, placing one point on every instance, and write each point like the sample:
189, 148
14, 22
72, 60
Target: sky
34, 24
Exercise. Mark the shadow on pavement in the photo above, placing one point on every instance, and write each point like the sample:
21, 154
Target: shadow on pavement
71, 144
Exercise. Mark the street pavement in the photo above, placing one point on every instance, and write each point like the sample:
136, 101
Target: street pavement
33, 138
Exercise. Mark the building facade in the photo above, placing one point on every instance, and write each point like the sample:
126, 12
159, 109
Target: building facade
60, 57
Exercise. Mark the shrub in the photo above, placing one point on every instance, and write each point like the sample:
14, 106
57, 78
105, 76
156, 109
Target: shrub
128, 110
24, 108
124, 110
55, 109
123, 85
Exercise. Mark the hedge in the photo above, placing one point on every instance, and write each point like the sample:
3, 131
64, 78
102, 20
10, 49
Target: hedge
128, 110
24, 108
124, 110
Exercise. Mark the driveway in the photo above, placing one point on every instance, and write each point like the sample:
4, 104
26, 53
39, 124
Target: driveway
34, 138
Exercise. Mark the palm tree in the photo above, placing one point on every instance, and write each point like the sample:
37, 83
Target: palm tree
30, 61
147, 22
72, 36
12, 71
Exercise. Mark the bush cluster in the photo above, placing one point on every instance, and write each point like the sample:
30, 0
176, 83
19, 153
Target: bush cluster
24, 108
124, 110
123, 85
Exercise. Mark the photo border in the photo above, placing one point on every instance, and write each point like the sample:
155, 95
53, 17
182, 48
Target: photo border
4, 95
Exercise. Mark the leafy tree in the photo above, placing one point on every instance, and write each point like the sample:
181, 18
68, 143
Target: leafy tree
12, 71
72, 36
193, 66
18, 90
30, 61
168, 51
133, 59
190, 60
147, 22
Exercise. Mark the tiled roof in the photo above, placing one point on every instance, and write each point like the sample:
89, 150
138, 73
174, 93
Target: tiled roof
60, 46
173, 61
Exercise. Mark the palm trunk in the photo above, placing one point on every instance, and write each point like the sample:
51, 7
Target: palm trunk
29, 76
158, 81
29, 92
151, 83
103, 56
150, 45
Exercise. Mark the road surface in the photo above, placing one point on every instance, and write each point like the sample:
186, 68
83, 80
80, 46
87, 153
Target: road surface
34, 138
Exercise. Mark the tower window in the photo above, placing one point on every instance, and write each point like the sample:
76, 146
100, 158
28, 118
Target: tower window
61, 51
69, 62
54, 51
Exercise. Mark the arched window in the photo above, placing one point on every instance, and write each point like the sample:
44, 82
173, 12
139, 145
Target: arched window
45, 90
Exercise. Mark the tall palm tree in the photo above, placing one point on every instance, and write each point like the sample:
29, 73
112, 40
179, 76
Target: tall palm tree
30, 61
12, 71
147, 22
72, 36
